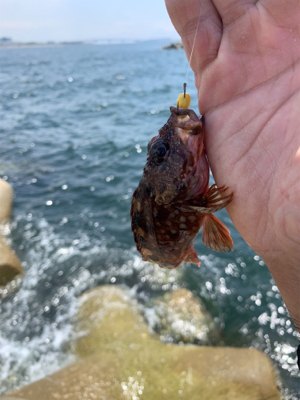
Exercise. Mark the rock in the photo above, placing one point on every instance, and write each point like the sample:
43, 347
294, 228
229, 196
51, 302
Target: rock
10, 398
120, 360
113, 307
174, 46
6, 197
10, 265
179, 317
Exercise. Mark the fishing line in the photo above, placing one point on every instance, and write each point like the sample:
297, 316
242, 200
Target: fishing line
193, 46
189, 64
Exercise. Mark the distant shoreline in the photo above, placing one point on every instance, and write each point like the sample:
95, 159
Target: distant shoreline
36, 45
20, 45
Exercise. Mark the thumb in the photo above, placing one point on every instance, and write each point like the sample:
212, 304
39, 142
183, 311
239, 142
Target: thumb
186, 16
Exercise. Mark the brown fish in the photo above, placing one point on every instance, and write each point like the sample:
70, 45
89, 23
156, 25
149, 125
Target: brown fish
173, 199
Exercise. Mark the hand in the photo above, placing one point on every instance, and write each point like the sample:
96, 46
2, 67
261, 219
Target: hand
247, 69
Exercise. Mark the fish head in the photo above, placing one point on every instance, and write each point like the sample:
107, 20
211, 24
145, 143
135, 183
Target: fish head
177, 168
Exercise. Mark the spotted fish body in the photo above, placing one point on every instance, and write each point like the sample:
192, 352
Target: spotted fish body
173, 199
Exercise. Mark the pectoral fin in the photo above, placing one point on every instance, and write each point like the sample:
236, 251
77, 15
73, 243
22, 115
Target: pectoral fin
215, 235
215, 199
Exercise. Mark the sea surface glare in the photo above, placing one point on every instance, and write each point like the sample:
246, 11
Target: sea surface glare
74, 126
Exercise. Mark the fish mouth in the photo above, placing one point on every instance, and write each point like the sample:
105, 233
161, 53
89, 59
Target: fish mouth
194, 144
190, 139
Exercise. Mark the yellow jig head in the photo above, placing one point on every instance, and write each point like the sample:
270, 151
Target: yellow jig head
184, 99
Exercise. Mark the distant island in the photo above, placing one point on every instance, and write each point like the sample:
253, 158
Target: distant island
173, 46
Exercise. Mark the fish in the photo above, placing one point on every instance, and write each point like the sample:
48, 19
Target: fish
173, 199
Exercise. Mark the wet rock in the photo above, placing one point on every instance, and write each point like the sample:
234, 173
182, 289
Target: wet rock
121, 360
11, 398
10, 265
174, 46
6, 198
114, 308
180, 317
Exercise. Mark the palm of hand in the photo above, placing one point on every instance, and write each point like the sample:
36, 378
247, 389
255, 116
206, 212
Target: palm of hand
247, 69
246, 63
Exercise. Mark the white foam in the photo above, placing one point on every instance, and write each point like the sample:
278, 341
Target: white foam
36, 323
33, 345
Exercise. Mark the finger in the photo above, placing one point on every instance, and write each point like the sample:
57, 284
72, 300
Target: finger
185, 15
232, 10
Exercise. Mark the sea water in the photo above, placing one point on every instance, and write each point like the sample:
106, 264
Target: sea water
74, 126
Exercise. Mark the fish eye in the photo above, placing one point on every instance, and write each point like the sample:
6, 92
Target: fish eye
158, 150
161, 151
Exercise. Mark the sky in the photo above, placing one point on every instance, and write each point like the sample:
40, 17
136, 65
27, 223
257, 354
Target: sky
71, 20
